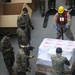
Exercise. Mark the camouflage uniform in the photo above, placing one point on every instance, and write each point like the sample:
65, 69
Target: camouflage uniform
24, 20
68, 33
21, 36
51, 4
23, 40
58, 64
71, 3
27, 52
8, 54
22, 62
42, 7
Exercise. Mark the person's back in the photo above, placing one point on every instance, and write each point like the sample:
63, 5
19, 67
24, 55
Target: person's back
58, 62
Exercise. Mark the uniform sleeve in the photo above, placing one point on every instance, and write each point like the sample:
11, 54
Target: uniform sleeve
30, 21
68, 19
55, 19
2, 43
66, 61
20, 21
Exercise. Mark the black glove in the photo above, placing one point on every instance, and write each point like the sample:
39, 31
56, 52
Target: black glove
32, 27
31, 48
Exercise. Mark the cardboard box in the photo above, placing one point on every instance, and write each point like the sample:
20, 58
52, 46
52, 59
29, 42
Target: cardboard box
33, 5
43, 68
44, 63
20, 1
11, 12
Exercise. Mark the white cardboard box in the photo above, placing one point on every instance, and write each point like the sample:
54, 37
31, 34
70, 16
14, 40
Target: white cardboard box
48, 48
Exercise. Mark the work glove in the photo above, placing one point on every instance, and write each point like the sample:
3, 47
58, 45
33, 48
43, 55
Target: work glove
32, 57
56, 27
66, 27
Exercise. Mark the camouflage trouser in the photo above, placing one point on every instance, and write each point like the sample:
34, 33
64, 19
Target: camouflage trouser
9, 61
28, 63
51, 4
19, 41
21, 73
28, 34
42, 6
68, 33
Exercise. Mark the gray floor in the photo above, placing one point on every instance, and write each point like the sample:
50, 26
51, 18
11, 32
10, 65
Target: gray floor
38, 34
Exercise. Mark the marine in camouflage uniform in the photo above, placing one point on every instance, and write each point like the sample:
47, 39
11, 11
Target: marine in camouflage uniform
23, 40
8, 54
42, 7
51, 4
27, 48
71, 3
22, 62
58, 62
24, 22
